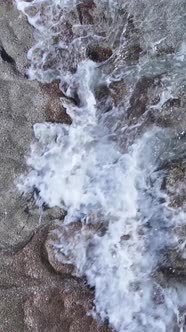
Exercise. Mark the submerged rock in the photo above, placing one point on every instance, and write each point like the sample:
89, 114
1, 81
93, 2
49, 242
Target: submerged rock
98, 53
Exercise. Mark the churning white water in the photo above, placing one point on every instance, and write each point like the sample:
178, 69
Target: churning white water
82, 169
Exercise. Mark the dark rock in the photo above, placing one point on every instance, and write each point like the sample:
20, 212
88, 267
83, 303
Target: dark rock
104, 100
102, 92
132, 48
6, 57
130, 29
175, 184
171, 114
160, 51
118, 91
125, 237
98, 53
173, 265
132, 53
55, 112
139, 98
85, 11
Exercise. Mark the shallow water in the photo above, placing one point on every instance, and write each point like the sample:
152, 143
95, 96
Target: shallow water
105, 169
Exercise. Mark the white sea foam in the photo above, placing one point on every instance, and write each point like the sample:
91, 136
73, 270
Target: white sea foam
81, 169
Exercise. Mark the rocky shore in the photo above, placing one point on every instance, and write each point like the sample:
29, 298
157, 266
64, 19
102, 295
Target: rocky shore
38, 292
35, 297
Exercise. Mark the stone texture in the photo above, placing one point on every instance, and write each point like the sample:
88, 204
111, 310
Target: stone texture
36, 298
173, 265
175, 184
55, 112
98, 53
22, 104
85, 11
15, 34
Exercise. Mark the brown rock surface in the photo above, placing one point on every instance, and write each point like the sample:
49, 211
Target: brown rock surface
175, 185
36, 298
85, 11
98, 53
55, 112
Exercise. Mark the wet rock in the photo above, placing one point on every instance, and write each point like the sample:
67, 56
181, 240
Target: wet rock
98, 53
161, 51
149, 106
64, 32
55, 112
125, 237
175, 184
132, 53
133, 49
139, 99
102, 92
104, 99
118, 91
60, 254
53, 248
131, 30
35, 297
171, 114
173, 265
85, 11
110, 96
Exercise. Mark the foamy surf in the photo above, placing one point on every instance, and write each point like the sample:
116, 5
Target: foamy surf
81, 169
